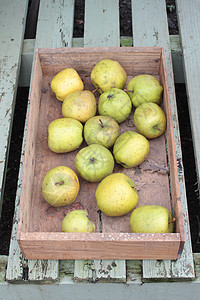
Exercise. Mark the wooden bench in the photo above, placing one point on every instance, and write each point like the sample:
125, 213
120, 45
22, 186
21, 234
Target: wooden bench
150, 28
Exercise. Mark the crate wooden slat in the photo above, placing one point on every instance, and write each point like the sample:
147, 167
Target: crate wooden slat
45, 238
11, 41
153, 31
190, 40
56, 18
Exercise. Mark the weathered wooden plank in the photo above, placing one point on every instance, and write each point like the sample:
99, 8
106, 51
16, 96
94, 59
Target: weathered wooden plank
150, 28
101, 23
12, 23
189, 20
54, 29
101, 29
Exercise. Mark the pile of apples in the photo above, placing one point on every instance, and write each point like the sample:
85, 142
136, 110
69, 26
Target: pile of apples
116, 194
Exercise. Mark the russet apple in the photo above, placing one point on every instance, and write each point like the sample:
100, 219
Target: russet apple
116, 195
64, 135
66, 82
102, 130
130, 149
150, 120
108, 73
144, 88
94, 162
151, 219
60, 186
80, 105
77, 221
116, 104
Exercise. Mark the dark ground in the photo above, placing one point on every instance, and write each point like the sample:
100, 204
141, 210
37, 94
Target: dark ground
20, 111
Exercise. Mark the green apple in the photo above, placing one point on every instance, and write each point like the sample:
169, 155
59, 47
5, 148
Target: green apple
66, 82
102, 130
144, 88
64, 135
108, 73
94, 162
150, 120
80, 105
130, 149
116, 195
151, 219
60, 186
77, 221
116, 104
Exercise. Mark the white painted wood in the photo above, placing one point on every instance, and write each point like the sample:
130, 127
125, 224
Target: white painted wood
54, 29
150, 28
189, 19
100, 270
12, 23
101, 26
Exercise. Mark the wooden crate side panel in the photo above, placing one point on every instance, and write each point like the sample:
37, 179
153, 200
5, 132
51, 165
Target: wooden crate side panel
83, 59
99, 246
153, 34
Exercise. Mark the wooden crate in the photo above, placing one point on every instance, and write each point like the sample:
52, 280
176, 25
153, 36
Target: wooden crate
39, 229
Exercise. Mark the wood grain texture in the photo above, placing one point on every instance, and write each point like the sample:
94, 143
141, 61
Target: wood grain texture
150, 28
101, 26
189, 19
55, 27
11, 41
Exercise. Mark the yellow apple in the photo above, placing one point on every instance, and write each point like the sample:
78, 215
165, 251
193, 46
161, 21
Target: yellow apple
151, 219
66, 82
150, 120
107, 74
80, 105
64, 135
77, 221
60, 186
130, 149
116, 195
144, 88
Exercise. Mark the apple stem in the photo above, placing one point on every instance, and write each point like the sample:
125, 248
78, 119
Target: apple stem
101, 123
156, 127
44, 139
92, 160
95, 90
172, 221
59, 183
131, 91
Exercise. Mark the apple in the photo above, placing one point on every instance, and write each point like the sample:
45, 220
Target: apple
102, 130
60, 186
108, 73
151, 219
116, 195
66, 82
116, 104
80, 105
77, 221
130, 149
144, 88
94, 162
64, 135
150, 120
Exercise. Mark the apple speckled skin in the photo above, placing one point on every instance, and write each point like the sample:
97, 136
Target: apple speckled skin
116, 195
66, 82
77, 221
60, 186
108, 73
146, 88
151, 219
150, 120
130, 149
64, 135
